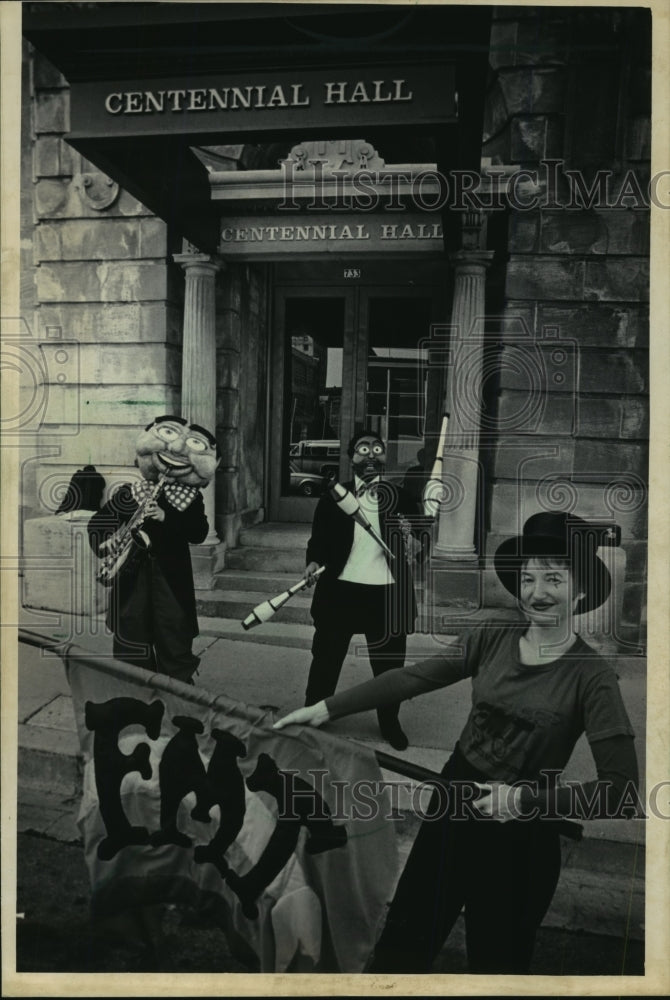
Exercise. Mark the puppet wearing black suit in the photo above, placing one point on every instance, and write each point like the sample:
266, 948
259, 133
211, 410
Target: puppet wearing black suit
361, 590
152, 611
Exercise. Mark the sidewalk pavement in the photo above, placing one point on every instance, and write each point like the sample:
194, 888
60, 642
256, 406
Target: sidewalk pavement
601, 889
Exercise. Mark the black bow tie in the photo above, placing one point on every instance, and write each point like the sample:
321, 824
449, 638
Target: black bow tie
366, 487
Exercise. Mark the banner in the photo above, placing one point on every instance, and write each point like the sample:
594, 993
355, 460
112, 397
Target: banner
191, 798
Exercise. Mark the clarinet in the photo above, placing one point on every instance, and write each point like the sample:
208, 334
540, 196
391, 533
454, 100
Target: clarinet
119, 546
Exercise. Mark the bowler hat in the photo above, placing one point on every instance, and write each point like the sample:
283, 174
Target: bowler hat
558, 535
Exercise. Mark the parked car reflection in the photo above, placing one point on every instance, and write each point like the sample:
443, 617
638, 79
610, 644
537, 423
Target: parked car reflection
307, 484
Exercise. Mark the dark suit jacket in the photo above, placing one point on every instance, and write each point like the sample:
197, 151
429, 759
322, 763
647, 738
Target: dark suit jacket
331, 541
169, 545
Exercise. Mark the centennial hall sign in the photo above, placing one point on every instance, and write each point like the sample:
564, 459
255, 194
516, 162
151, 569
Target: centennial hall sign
275, 236
263, 101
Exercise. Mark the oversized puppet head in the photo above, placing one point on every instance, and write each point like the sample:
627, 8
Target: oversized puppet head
367, 452
185, 453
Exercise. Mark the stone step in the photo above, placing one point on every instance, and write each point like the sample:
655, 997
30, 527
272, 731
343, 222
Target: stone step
258, 581
240, 603
276, 535
266, 559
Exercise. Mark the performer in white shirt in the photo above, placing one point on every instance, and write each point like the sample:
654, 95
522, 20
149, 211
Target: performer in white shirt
362, 590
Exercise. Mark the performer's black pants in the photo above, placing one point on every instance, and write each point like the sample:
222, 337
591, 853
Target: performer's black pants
502, 874
152, 630
355, 609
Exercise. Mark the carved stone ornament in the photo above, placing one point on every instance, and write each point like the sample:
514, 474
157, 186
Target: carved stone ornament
348, 155
95, 189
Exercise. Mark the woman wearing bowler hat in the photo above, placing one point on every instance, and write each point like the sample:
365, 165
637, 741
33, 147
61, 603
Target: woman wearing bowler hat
492, 846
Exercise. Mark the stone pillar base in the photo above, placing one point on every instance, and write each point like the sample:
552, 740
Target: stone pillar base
207, 560
455, 583
60, 569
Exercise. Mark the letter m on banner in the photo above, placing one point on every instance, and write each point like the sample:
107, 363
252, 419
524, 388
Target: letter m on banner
192, 798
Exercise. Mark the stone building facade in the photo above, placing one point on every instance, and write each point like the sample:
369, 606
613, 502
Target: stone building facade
545, 281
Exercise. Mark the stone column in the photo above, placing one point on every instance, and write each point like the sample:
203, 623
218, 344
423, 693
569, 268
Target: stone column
198, 381
456, 525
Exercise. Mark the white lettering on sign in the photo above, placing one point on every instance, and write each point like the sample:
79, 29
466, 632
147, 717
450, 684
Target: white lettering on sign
358, 92
259, 234
133, 102
351, 272
333, 232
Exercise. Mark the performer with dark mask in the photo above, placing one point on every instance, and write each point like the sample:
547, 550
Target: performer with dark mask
362, 590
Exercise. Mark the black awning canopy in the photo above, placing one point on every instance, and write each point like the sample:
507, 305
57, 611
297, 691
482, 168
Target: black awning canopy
124, 43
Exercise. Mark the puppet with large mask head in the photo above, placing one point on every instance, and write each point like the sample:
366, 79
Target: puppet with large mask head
152, 607
181, 452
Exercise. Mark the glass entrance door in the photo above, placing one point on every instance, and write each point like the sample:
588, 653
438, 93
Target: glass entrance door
345, 358
312, 379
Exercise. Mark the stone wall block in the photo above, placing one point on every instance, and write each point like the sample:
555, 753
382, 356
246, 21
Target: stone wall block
102, 238
141, 364
543, 41
538, 370
51, 197
110, 405
617, 280
543, 277
46, 242
524, 232
533, 458
45, 74
615, 458
228, 439
634, 602
513, 503
635, 418
228, 407
52, 157
600, 417
100, 322
524, 412
59, 199
227, 489
100, 282
152, 238
539, 91
46, 157
517, 322
627, 231
122, 404
495, 111
528, 138
614, 372
596, 324
497, 147
636, 561
227, 369
502, 48
51, 111
573, 232
104, 445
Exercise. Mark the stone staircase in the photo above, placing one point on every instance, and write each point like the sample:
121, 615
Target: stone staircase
269, 559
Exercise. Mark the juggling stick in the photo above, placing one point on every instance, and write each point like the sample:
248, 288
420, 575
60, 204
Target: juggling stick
349, 504
433, 491
266, 609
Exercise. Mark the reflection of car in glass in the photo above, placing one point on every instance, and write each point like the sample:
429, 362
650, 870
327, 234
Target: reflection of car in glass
321, 457
307, 484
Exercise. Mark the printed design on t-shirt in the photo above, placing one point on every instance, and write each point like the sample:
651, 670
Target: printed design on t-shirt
501, 735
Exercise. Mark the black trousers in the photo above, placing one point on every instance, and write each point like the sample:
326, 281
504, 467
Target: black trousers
355, 609
151, 630
502, 874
